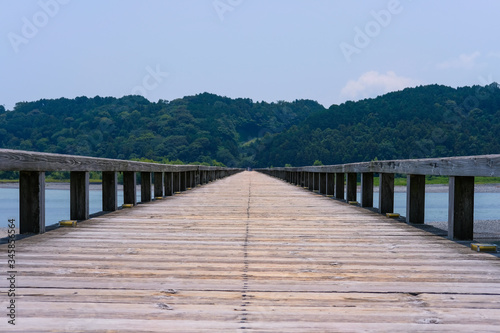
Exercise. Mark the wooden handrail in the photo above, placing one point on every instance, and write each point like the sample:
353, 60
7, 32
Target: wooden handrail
16, 160
474, 166
330, 180
168, 180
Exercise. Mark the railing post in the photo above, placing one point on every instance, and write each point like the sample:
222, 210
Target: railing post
461, 208
177, 181
339, 186
31, 202
415, 199
79, 195
322, 183
352, 187
367, 189
109, 191
311, 181
169, 191
145, 186
158, 184
190, 178
386, 193
330, 184
183, 181
316, 181
129, 188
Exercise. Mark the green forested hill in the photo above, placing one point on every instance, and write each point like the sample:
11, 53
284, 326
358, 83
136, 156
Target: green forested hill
427, 121
200, 128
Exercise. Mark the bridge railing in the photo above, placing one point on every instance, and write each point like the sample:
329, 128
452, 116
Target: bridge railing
330, 180
168, 180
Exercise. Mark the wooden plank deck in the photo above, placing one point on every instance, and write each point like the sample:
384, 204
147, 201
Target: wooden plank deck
250, 253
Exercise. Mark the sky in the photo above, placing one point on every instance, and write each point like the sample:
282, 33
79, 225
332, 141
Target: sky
330, 51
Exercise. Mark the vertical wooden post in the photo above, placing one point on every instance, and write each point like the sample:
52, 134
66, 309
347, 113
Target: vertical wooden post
339, 186
386, 193
352, 186
415, 199
461, 208
183, 181
311, 181
316, 181
145, 186
79, 195
169, 190
198, 178
330, 184
31, 202
175, 182
109, 191
367, 189
158, 187
129, 188
322, 183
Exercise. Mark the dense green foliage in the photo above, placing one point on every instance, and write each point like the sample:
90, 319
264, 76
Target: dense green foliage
427, 121
204, 128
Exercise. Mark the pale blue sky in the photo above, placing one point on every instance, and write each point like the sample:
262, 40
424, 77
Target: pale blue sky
325, 50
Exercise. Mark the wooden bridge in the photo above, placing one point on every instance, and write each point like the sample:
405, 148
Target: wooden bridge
249, 253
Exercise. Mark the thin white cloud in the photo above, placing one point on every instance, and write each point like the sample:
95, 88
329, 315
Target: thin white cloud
373, 83
464, 61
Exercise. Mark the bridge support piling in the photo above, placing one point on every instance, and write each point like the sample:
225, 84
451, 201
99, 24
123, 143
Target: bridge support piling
461, 208
322, 183
79, 195
339, 186
367, 189
352, 186
158, 184
145, 186
316, 181
169, 191
386, 193
129, 188
109, 191
415, 199
330, 184
31, 202
177, 181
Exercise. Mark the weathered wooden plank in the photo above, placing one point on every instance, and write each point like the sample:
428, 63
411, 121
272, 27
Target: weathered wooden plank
251, 253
